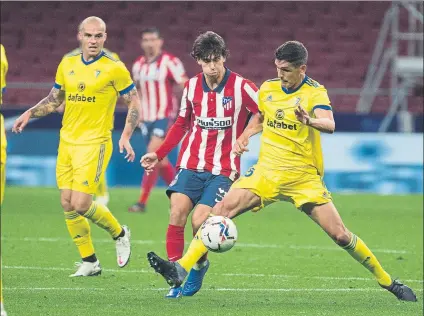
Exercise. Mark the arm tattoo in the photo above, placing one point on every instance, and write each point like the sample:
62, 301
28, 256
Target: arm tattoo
128, 96
49, 103
131, 99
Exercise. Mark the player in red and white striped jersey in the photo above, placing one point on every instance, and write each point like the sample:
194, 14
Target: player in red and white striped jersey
155, 74
215, 108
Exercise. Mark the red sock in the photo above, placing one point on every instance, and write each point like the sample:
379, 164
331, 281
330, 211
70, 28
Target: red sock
167, 172
175, 242
147, 185
202, 258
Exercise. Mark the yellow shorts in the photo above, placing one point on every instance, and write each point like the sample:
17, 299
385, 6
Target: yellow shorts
294, 186
3, 155
80, 167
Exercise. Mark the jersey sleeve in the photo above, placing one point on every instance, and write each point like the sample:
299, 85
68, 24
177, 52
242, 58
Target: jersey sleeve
59, 82
249, 93
320, 99
176, 70
122, 79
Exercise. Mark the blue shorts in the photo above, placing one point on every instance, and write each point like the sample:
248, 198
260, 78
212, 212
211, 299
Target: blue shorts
155, 128
201, 187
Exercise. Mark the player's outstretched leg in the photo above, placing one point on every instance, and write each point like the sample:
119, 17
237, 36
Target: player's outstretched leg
328, 218
173, 273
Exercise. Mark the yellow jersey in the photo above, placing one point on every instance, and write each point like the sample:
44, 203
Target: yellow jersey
4, 68
91, 91
286, 143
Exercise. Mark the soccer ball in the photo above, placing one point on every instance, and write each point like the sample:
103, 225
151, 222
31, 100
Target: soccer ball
218, 233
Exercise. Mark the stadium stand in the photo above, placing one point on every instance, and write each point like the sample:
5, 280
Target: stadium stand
338, 59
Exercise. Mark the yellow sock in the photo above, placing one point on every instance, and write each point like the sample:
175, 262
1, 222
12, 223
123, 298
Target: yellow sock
102, 217
79, 229
194, 252
102, 187
359, 250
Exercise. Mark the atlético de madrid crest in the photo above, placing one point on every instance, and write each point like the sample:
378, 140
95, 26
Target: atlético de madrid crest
227, 102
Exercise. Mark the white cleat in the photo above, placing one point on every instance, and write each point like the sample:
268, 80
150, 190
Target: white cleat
123, 248
87, 269
3, 311
103, 199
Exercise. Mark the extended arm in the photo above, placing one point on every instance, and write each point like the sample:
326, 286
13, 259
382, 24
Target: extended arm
254, 127
133, 102
173, 137
46, 106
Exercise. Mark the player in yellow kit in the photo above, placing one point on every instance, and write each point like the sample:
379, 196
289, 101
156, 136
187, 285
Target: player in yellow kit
89, 82
101, 194
3, 145
295, 110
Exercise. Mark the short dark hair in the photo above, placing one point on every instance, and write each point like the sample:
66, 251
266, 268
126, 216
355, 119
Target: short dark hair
209, 44
294, 52
151, 30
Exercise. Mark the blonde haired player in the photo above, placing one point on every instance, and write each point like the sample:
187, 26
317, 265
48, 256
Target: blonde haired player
90, 83
295, 110
3, 144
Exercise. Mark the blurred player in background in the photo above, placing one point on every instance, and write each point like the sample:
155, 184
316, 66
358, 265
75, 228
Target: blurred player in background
102, 194
215, 108
155, 73
3, 145
90, 82
294, 109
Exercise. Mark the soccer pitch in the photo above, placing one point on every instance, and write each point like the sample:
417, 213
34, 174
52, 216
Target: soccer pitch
283, 264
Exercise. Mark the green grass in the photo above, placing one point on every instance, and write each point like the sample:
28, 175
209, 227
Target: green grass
283, 263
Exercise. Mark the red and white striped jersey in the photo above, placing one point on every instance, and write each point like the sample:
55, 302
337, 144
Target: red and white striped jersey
217, 118
155, 80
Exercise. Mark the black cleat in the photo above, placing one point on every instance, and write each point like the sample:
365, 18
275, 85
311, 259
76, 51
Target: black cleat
401, 291
172, 272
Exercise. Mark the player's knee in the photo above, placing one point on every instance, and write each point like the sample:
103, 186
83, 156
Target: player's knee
178, 215
341, 236
66, 205
81, 205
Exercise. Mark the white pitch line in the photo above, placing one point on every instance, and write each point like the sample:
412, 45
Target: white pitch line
238, 245
260, 275
34, 289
